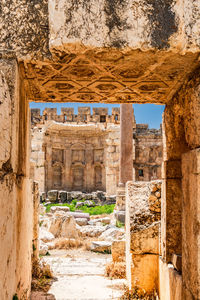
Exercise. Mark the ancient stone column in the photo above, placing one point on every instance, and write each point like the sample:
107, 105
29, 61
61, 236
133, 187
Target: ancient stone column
126, 157
126, 144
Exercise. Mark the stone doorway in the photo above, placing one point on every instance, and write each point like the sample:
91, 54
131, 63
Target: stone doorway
57, 51
80, 158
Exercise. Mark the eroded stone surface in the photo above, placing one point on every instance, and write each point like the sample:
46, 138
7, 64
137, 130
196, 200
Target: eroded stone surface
143, 214
191, 221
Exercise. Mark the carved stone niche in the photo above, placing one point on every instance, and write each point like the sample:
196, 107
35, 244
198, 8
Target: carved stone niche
98, 155
78, 154
78, 177
57, 175
57, 155
98, 177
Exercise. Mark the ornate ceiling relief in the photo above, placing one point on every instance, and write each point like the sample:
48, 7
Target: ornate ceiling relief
108, 75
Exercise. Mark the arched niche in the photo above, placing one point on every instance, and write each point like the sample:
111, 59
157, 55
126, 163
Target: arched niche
57, 175
98, 177
78, 153
78, 177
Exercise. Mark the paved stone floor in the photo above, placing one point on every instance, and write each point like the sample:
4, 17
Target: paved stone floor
80, 276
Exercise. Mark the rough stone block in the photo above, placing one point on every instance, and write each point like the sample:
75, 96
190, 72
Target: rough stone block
170, 282
145, 272
177, 262
190, 223
118, 251
146, 241
52, 196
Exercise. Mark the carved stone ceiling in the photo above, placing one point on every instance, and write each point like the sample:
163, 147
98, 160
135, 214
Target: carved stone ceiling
107, 75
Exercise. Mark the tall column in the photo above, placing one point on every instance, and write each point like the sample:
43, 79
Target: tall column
126, 143
126, 157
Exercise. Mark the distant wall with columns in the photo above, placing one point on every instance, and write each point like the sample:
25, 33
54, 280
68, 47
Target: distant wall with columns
82, 153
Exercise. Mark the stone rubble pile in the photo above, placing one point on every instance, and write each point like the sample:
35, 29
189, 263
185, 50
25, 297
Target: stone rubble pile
56, 196
60, 223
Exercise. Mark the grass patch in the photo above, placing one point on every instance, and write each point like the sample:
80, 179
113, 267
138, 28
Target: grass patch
119, 224
97, 210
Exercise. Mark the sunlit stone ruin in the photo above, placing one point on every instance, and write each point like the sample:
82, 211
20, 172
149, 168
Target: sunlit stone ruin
81, 152
122, 52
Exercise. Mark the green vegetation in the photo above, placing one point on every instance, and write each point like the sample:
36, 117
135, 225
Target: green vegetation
119, 224
15, 297
96, 210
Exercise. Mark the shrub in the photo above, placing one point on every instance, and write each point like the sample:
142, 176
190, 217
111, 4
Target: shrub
116, 270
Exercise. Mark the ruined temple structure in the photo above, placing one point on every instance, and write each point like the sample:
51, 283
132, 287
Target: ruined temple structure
81, 152
127, 51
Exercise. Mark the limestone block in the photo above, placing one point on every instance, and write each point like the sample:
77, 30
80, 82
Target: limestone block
59, 208
68, 229
190, 223
146, 240
92, 231
88, 196
112, 234
155, 202
145, 272
137, 24
79, 215
118, 250
63, 226
45, 235
177, 262
62, 195
52, 196
143, 204
101, 246
81, 221
5, 124
170, 282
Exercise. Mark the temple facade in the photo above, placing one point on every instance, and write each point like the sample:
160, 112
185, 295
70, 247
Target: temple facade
81, 152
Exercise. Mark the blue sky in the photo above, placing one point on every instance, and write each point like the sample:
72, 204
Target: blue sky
144, 113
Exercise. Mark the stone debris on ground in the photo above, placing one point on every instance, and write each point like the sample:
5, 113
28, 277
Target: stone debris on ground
80, 276
92, 238
101, 246
59, 208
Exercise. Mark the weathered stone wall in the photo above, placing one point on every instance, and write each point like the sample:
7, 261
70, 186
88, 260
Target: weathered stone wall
36, 212
182, 128
38, 156
15, 201
75, 157
135, 24
24, 28
190, 223
100, 115
170, 283
148, 153
143, 208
